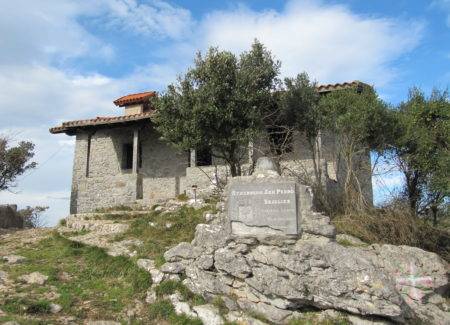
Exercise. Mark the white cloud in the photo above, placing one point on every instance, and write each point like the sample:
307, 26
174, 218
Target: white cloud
155, 18
40, 95
49, 31
45, 30
330, 42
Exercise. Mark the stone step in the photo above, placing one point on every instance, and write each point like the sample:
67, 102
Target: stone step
101, 215
103, 226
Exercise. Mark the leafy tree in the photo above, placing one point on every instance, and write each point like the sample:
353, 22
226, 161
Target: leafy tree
299, 105
299, 111
220, 103
361, 123
422, 148
14, 161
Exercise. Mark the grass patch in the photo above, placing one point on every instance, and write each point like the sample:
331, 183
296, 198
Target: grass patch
91, 283
16, 305
345, 242
118, 216
259, 316
169, 287
164, 310
24, 321
158, 239
220, 305
76, 233
336, 321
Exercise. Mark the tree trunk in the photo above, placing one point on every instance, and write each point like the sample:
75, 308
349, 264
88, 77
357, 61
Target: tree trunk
434, 210
412, 181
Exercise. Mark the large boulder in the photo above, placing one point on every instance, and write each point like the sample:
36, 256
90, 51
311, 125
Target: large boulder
9, 217
390, 283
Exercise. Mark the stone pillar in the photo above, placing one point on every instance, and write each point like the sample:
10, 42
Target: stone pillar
135, 151
319, 147
193, 158
250, 152
88, 153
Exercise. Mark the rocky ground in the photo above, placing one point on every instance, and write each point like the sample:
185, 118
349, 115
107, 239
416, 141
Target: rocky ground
176, 264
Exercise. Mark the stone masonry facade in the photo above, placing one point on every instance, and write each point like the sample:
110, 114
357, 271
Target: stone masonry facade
122, 160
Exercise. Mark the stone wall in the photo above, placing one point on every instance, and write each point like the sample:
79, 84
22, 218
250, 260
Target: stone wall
159, 158
9, 217
99, 170
100, 178
105, 191
79, 170
160, 188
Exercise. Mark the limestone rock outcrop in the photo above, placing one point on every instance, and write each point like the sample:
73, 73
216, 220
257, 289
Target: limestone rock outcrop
281, 276
279, 281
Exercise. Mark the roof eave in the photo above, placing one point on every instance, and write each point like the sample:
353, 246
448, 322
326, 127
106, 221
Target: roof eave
72, 128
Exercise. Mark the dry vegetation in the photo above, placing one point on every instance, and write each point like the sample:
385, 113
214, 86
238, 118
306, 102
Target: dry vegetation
390, 226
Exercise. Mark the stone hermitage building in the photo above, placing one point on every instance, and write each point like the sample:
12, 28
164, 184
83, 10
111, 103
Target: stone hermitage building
121, 160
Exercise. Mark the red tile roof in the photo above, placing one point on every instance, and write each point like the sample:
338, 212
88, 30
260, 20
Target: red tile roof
330, 87
134, 98
100, 120
140, 97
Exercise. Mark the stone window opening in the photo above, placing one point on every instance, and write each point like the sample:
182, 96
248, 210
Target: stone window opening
127, 156
204, 157
280, 140
200, 157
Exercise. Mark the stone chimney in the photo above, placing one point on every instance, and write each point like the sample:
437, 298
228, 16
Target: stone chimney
136, 103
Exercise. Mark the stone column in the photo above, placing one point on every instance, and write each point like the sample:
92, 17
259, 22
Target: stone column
250, 152
319, 147
193, 158
135, 151
88, 154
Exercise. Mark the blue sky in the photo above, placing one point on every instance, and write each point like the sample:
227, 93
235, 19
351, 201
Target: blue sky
66, 60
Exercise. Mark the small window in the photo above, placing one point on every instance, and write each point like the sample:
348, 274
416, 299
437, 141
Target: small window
127, 158
280, 140
204, 157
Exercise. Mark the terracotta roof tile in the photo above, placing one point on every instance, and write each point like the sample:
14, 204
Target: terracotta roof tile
341, 85
134, 98
100, 120
139, 97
